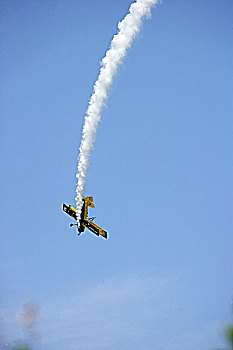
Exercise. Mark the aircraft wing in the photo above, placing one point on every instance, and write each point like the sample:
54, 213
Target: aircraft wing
94, 228
70, 211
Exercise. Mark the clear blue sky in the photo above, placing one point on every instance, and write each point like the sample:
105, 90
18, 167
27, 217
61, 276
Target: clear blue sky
161, 176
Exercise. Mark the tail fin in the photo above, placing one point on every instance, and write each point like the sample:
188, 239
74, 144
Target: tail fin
90, 202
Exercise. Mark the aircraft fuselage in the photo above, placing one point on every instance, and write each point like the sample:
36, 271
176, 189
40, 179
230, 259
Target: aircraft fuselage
84, 222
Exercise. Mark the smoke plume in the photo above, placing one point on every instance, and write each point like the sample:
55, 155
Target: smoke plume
127, 30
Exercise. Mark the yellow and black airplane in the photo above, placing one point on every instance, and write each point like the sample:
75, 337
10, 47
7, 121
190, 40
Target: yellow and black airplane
84, 221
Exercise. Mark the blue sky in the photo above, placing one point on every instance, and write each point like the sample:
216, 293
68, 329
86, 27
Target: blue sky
160, 174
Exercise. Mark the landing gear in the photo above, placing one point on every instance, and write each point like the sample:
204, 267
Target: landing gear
71, 225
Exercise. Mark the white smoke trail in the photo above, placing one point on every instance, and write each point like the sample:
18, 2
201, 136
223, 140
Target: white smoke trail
127, 30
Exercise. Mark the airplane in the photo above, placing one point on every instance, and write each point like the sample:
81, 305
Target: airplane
85, 222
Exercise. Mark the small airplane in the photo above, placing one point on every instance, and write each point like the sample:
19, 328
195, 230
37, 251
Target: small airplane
85, 222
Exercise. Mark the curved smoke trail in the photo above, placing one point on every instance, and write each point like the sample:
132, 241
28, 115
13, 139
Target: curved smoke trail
127, 30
